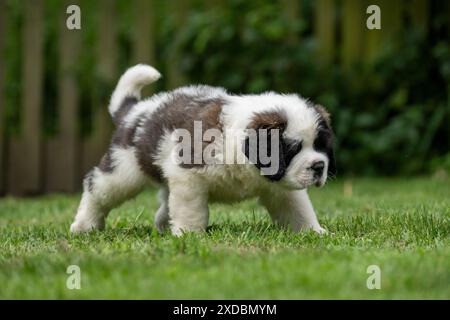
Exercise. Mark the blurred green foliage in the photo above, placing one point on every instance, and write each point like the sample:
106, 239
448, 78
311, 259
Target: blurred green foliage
390, 117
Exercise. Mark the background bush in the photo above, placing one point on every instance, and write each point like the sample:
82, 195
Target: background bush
391, 117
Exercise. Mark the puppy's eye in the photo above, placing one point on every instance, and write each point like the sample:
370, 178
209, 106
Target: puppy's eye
291, 149
322, 141
295, 147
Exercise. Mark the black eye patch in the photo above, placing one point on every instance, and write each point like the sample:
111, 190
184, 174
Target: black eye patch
323, 141
287, 150
290, 149
250, 149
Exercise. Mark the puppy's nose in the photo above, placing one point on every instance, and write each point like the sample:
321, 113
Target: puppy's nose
318, 167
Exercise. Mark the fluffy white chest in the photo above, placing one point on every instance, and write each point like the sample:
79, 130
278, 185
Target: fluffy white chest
233, 183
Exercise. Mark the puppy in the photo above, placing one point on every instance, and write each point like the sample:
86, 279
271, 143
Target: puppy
285, 142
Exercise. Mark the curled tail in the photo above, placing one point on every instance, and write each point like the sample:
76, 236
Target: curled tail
128, 89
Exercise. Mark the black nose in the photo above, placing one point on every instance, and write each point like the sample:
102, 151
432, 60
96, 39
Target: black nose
318, 167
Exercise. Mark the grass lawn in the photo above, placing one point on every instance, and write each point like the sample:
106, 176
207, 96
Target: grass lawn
401, 225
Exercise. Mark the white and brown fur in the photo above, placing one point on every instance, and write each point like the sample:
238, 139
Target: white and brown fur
141, 148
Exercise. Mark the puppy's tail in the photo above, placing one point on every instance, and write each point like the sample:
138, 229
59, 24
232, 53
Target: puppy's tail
128, 89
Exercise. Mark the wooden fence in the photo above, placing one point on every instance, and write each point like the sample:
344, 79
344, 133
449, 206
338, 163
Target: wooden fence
33, 164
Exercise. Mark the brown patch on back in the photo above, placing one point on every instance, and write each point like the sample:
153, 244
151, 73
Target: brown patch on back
276, 119
179, 112
210, 115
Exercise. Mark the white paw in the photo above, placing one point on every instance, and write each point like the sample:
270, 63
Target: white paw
78, 227
320, 230
177, 232
81, 226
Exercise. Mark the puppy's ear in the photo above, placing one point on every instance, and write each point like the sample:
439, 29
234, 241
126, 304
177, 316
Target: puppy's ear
324, 114
265, 128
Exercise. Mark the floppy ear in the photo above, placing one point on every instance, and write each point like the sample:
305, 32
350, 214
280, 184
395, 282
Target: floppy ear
262, 129
324, 114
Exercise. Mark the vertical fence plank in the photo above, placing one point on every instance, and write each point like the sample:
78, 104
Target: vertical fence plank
95, 146
324, 23
373, 37
291, 10
418, 11
33, 84
61, 158
2, 96
25, 174
391, 23
143, 36
175, 77
353, 25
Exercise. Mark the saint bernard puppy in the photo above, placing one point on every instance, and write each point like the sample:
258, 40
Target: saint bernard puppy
145, 149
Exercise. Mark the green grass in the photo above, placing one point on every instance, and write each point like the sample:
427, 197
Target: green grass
403, 226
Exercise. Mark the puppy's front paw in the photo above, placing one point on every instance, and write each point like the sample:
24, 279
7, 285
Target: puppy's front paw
320, 230
179, 231
78, 227
82, 226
